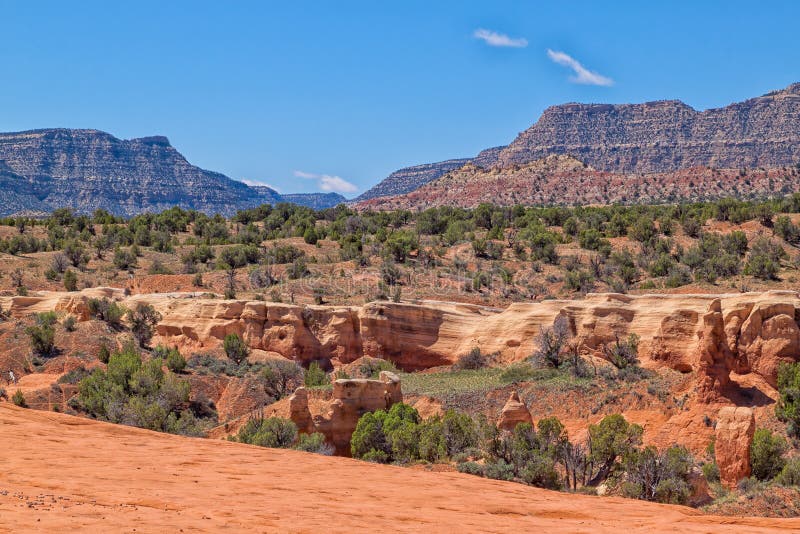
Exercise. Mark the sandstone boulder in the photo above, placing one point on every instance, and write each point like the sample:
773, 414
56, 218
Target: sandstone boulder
514, 412
735, 429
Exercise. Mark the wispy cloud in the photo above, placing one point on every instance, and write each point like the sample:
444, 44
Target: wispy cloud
257, 183
499, 39
582, 74
329, 183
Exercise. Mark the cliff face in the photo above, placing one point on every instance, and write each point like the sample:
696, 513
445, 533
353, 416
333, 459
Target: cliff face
88, 169
318, 201
668, 135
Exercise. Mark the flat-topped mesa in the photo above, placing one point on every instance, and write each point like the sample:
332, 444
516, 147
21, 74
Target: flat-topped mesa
667, 135
711, 335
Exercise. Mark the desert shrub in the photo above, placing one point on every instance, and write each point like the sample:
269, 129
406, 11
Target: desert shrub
383, 436
18, 398
471, 468
314, 443
474, 359
711, 472
766, 454
281, 377
143, 319
764, 259
137, 393
171, 357
273, 432
551, 344
400, 243
518, 373
298, 269
678, 276
235, 348
372, 368
74, 376
104, 354
624, 353
42, 334
106, 310
124, 259
70, 281
788, 407
610, 440
69, 323
315, 376
658, 476
790, 474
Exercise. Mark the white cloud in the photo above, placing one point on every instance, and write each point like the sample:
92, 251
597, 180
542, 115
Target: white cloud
257, 183
582, 74
328, 183
499, 39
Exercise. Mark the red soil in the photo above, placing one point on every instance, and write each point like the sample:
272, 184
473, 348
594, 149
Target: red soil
63, 473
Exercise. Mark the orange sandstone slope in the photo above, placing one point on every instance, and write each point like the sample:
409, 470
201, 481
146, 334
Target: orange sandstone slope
61, 473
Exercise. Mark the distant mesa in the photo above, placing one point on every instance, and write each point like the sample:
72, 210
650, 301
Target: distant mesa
663, 151
41, 170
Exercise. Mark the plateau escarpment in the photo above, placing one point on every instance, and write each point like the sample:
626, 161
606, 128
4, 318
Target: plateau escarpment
42, 170
651, 152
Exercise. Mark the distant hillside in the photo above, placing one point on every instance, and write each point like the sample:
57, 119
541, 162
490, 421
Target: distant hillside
560, 180
654, 137
41, 170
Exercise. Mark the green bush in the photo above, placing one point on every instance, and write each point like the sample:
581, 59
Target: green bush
143, 319
273, 432
281, 377
766, 454
106, 310
70, 280
788, 407
790, 474
42, 335
171, 357
474, 359
658, 476
18, 398
314, 443
137, 393
711, 472
235, 348
315, 376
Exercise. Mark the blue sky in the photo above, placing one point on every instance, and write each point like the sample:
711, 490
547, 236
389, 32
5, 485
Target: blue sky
307, 96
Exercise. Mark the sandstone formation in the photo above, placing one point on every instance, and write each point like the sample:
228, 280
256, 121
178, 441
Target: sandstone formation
514, 412
352, 398
410, 178
735, 429
712, 335
54, 482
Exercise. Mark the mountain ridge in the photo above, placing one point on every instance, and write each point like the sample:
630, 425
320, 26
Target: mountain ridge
87, 169
644, 138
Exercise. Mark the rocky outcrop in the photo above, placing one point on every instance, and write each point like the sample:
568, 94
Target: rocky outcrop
667, 135
735, 430
711, 335
352, 398
514, 412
